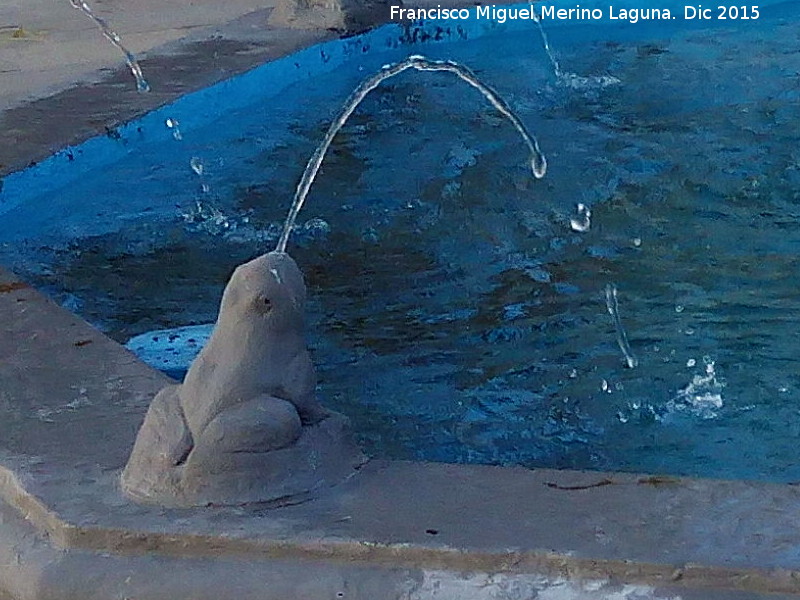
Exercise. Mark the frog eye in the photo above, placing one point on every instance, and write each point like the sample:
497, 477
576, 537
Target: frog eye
263, 304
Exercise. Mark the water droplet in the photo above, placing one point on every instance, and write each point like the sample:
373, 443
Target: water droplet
604, 385
197, 165
573, 374
173, 124
538, 165
538, 274
679, 308
316, 227
370, 235
581, 221
691, 362
637, 242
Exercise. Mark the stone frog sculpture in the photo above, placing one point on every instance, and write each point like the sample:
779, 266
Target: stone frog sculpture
245, 425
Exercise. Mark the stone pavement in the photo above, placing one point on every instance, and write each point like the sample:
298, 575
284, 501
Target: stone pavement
48, 45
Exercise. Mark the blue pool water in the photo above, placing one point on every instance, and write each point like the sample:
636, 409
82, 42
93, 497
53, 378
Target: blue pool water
455, 312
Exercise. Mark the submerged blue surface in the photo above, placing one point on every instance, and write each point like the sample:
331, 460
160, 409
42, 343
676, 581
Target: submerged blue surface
455, 312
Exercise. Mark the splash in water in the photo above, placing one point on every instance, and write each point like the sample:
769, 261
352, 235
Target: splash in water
581, 221
567, 79
538, 161
111, 36
207, 218
702, 396
622, 339
197, 166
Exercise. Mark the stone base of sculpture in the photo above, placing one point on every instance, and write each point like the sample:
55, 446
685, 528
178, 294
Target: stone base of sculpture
213, 474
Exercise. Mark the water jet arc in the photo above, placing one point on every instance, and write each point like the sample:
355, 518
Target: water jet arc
538, 162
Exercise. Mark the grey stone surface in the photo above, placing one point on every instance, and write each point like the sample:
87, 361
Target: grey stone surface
245, 425
344, 15
30, 569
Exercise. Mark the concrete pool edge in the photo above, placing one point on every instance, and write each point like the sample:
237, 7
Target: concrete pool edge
41, 571
392, 521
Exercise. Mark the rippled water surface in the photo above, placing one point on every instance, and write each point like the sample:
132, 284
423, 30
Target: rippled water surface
457, 307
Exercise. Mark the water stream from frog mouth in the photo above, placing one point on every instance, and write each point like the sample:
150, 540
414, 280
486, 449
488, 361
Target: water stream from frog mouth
538, 162
111, 36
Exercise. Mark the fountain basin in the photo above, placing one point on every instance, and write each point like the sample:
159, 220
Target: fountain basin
74, 399
489, 342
